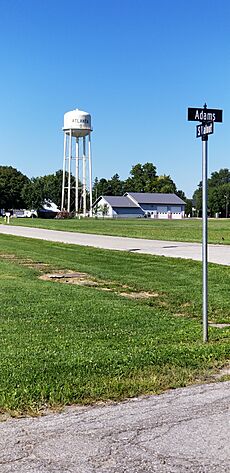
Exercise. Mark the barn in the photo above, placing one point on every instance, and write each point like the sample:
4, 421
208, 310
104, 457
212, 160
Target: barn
140, 204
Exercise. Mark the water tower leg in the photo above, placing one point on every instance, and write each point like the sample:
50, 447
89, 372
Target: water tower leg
77, 176
69, 169
90, 178
84, 177
63, 175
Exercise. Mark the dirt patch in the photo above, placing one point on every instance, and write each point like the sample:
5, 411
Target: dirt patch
32, 265
83, 279
29, 263
80, 279
164, 304
24, 261
138, 295
67, 277
5, 277
87, 282
6, 256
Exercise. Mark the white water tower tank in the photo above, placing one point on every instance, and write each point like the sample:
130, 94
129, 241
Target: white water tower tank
78, 122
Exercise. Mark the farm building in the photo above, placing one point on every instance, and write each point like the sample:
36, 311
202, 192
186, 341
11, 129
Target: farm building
140, 204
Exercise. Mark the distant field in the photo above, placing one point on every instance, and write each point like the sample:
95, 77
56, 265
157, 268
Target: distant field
174, 230
133, 327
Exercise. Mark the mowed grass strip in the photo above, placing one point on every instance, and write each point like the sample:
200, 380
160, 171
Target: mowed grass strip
172, 230
64, 344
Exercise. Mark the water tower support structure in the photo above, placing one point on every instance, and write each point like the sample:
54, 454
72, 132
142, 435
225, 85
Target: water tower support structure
69, 169
84, 177
90, 177
77, 177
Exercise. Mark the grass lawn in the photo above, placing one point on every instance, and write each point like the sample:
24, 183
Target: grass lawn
173, 230
137, 330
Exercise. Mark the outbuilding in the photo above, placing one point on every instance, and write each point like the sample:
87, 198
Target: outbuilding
140, 204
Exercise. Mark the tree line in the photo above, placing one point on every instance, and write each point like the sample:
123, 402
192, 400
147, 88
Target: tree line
18, 191
142, 178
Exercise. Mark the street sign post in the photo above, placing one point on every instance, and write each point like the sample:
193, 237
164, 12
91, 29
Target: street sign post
206, 117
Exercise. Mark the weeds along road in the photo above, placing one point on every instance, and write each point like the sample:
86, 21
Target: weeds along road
219, 254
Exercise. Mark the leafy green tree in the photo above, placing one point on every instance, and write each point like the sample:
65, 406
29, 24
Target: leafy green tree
12, 182
95, 189
49, 187
143, 178
113, 186
33, 193
116, 186
219, 178
218, 194
52, 184
100, 187
197, 200
218, 200
188, 207
181, 194
104, 209
165, 184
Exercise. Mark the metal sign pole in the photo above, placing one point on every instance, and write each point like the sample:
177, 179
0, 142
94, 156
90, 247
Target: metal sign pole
205, 235
205, 117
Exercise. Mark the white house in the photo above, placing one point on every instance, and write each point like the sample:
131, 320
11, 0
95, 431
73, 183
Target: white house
140, 204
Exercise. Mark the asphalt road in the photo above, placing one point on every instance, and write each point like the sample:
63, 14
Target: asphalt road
219, 254
184, 430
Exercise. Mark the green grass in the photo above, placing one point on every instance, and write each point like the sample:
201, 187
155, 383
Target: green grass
173, 230
63, 343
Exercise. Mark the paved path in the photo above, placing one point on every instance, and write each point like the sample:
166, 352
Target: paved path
219, 254
181, 431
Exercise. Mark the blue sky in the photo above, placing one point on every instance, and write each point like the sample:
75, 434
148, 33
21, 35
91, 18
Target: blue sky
135, 65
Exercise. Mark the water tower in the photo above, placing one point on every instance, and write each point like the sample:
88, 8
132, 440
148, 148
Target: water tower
77, 149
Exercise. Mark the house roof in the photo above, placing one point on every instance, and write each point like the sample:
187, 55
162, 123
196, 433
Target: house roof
155, 198
117, 201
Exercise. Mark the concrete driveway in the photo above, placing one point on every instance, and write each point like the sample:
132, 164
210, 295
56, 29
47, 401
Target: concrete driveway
181, 431
219, 254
